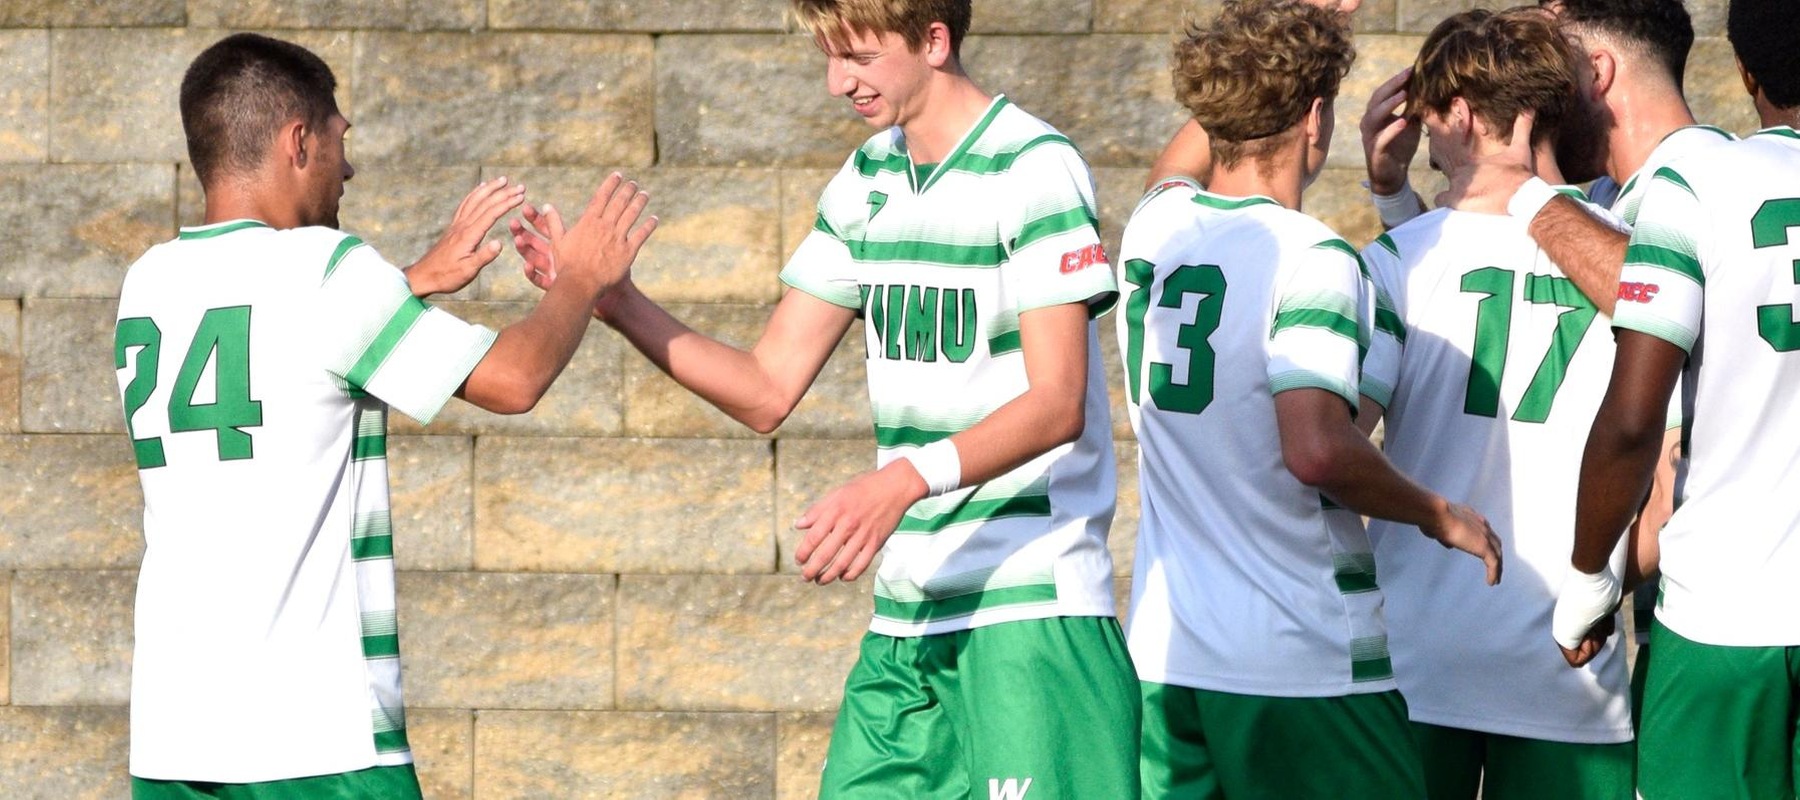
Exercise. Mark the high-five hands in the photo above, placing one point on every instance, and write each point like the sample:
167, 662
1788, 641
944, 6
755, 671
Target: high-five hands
460, 254
602, 244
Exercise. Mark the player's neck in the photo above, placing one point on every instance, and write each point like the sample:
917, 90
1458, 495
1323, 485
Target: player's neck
1643, 118
951, 106
1772, 117
1278, 177
228, 199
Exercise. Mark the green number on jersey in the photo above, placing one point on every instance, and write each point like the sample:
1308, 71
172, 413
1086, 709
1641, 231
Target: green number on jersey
222, 340
1769, 228
1195, 391
1493, 329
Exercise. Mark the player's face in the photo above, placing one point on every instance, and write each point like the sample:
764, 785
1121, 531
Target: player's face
327, 168
1581, 140
879, 74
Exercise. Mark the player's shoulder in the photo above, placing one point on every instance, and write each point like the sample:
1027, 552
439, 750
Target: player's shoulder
1010, 139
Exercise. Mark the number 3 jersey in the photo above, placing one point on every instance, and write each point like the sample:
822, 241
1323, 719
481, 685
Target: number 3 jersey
1247, 581
1491, 365
256, 368
1714, 268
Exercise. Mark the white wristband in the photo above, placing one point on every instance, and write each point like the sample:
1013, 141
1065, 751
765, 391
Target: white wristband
940, 465
1397, 208
1584, 601
1531, 198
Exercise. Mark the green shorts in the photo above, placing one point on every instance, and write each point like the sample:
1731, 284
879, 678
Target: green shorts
1037, 709
1463, 764
386, 783
1718, 721
1208, 745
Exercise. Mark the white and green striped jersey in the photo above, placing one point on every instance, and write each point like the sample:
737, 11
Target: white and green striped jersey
256, 368
1624, 200
1712, 269
1491, 365
940, 261
1247, 580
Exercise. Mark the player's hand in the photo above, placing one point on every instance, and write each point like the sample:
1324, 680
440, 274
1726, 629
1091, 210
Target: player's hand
461, 252
847, 528
1584, 613
1389, 140
531, 238
1467, 530
1491, 180
605, 240
1590, 644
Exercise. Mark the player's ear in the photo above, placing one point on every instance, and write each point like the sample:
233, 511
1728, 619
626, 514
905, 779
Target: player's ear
1606, 68
1750, 84
291, 143
1460, 117
1315, 121
937, 44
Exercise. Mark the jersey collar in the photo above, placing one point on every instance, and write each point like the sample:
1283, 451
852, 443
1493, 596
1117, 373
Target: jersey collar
962, 146
218, 229
1224, 203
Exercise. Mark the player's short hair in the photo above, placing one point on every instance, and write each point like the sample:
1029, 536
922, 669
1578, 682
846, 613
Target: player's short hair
1502, 63
1254, 70
240, 91
829, 20
1766, 36
1657, 29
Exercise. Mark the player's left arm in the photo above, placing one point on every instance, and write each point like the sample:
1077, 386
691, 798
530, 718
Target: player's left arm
1187, 155
460, 254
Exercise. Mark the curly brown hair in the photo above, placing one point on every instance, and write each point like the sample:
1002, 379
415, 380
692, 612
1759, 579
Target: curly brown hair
827, 20
1254, 71
1502, 63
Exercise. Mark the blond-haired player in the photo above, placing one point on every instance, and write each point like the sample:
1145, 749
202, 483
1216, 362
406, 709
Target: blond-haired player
1255, 621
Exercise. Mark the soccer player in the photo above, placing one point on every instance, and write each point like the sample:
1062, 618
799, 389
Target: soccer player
1256, 624
1708, 294
1489, 383
258, 355
963, 234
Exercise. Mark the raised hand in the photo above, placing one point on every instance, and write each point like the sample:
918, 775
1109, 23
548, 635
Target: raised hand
846, 529
534, 247
461, 253
1389, 140
1465, 529
604, 241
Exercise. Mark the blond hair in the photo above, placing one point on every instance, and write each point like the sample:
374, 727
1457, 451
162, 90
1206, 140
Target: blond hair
830, 20
1502, 64
1255, 70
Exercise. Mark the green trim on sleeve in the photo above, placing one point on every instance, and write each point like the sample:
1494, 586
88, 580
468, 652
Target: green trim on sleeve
337, 256
1301, 379
1671, 176
1054, 224
1665, 258
390, 336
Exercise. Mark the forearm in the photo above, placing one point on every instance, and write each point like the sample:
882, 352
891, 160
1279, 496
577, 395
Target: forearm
1358, 477
1028, 426
1616, 471
1588, 250
730, 378
529, 354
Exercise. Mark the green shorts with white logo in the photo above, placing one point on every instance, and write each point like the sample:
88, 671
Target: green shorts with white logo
1206, 745
1462, 764
388, 783
1718, 721
1031, 710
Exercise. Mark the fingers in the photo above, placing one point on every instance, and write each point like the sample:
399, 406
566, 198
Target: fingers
1491, 559
830, 539
603, 196
641, 234
865, 555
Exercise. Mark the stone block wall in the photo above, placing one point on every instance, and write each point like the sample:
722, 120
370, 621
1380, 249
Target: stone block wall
597, 599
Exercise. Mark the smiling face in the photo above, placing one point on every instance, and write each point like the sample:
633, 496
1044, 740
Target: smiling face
326, 169
881, 76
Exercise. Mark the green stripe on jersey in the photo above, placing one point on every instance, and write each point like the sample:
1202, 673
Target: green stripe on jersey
337, 256
1665, 258
1002, 343
1387, 243
1224, 203
1388, 321
1369, 660
390, 729
954, 161
1779, 130
208, 232
1054, 224
1325, 319
1671, 176
373, 536
937, 254
391, 741
1002, 161
963, 605
395, 330
909, 435
367, 448
870, 163
1354, 572
974, 511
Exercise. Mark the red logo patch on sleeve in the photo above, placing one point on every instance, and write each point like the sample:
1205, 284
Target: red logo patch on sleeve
1078, 260
1635, 292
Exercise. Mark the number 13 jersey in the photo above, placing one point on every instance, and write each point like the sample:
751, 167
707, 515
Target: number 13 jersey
256, 368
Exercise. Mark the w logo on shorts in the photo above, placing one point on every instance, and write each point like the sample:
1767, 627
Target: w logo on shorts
1012, 789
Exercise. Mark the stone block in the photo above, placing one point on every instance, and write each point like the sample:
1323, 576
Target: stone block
1032, 16
67, 753
5, 639
1109, 93
1113, 365
89, 13
1708, 16
623, 505
484, 640
68, 384
72, 502
1117, 191
431, 480
609, 15
623, 756
113, 93
800, 190
10, 365
711, 90
1713, 88
835, 406
71, 637
359, 14
1338, 199
402, 211
1378, 57
717, 238
88, 223
585, 399
805, 470
800, 744
1169, 16
1121, 540
24, 95
503, 98
1420, 16
443, 745
741, 643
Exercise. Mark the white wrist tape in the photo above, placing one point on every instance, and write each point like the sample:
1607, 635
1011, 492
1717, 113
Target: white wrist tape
1584, 601
1531, 198
1399, 207
940, 465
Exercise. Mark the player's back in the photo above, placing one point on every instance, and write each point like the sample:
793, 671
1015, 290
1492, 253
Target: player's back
1247, 580
1491, 369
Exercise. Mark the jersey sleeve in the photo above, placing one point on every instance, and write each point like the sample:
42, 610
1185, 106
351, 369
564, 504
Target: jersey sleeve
1387, 343
1052, 234
1661, 288
378, 338
821, 266
1321, 324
